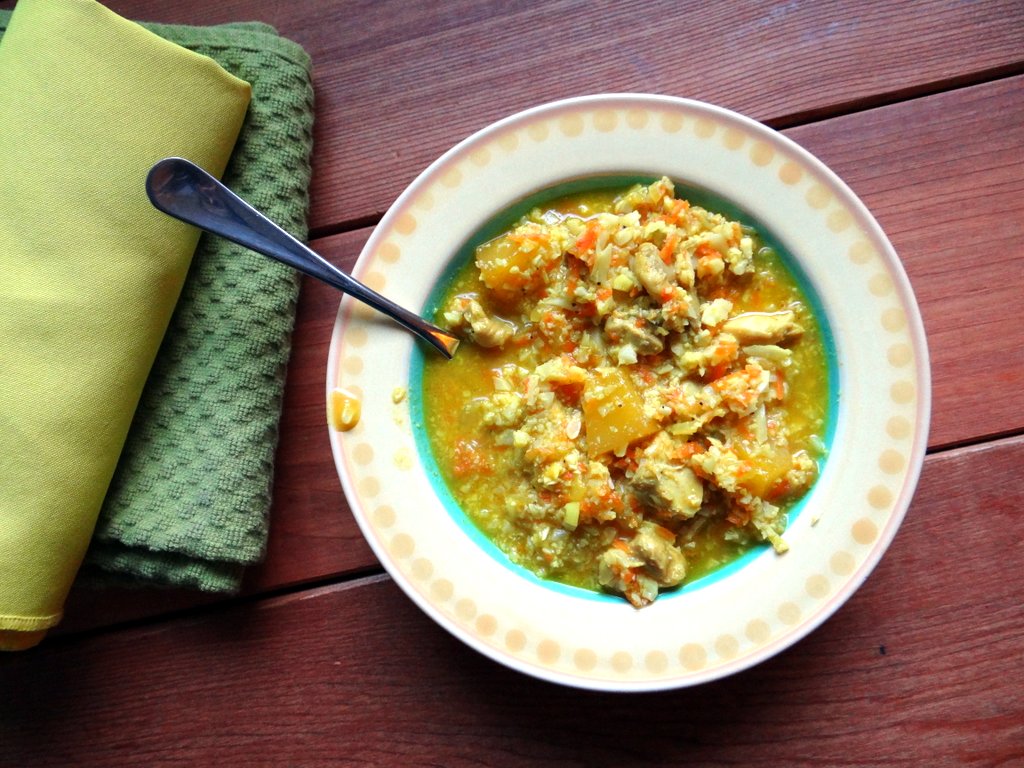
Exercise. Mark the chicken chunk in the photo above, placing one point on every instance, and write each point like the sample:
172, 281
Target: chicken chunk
663, 561
466, 315
621, 571
763, 327
654, 274
637, 568
621, 328
666, 486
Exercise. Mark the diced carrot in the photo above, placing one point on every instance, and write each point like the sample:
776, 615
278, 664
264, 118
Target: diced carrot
688, 450
615, 501
469, 459
537, 237
780, 489
716, 372
588, 239
664, 532
621, 545
668, 249
568, 393
726, 350
706, 251
780, 385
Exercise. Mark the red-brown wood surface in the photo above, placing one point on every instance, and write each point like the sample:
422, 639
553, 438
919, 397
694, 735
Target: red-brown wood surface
919, 107
398, 83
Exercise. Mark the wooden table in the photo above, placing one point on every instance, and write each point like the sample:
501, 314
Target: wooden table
920, 108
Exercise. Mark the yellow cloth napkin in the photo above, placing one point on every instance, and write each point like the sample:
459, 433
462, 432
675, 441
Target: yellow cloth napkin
89, 271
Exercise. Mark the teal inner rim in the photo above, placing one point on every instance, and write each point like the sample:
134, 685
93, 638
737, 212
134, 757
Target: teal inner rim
504, 221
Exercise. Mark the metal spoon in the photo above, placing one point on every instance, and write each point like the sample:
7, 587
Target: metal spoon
185, 191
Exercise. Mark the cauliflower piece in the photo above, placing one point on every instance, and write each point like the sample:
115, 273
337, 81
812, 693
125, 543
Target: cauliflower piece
715, 312
548, 430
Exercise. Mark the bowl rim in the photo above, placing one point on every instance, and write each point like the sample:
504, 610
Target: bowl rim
562, 119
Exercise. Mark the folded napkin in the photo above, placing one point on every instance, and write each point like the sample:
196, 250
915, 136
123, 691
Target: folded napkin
89, 277
189, 503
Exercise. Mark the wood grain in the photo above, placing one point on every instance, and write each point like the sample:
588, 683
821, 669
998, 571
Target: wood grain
397, 84
317, 664
922, 666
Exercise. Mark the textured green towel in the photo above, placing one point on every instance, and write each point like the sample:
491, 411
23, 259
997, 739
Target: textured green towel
189, 503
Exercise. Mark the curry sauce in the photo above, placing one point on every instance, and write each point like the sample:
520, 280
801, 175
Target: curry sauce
641, 395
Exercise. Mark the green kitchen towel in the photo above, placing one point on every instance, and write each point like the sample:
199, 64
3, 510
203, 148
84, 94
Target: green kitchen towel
188, 505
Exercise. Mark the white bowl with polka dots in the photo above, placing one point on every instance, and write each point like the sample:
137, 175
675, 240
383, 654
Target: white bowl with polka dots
881, 392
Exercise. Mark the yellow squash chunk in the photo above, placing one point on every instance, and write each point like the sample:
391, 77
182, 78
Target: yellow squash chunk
763, 468
513, 265
613, 412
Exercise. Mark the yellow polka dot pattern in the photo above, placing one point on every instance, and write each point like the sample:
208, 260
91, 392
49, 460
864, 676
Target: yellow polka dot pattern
584, 659
688, 657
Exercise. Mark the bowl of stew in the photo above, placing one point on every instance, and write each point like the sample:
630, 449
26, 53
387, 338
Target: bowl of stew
688, 411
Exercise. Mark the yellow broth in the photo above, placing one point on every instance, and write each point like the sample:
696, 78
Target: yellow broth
489, 479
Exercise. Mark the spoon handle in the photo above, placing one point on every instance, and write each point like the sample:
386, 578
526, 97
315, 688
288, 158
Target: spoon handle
185, 191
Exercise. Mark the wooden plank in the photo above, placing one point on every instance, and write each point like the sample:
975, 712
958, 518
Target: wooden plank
922, 666
900, 159
397, 84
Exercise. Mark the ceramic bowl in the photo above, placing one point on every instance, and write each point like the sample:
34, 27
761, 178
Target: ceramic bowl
744, 613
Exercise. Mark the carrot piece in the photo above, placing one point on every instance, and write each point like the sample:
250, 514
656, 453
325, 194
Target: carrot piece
780, 385
669, 247
716, 372
470, 459
678, 208
664, 532
706, 251
588, 239
688, 450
